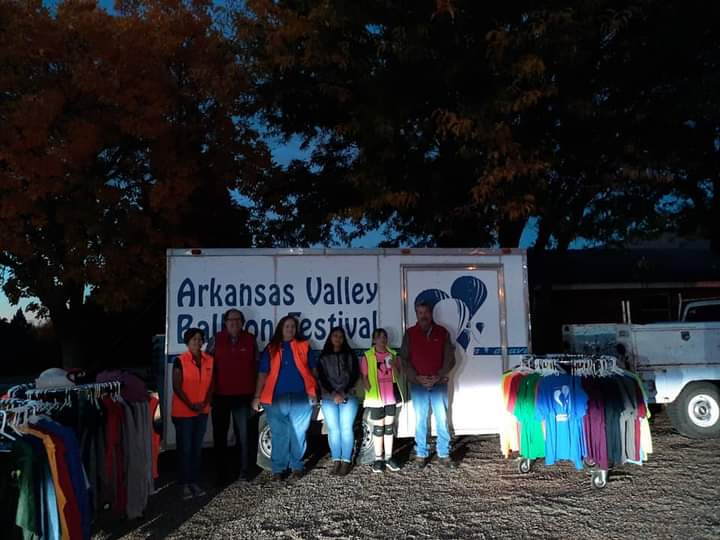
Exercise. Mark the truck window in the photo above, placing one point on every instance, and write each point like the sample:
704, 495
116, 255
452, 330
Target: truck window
709, 313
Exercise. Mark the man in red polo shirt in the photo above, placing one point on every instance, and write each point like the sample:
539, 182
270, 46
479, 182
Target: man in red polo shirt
427, 357
236, 358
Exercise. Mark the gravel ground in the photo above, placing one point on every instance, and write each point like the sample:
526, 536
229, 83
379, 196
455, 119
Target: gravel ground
675, 495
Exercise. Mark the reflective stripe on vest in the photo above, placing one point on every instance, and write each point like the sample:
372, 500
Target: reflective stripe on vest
195, 384
372, 396
300, 356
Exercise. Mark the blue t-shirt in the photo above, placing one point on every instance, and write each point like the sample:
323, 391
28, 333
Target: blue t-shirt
289, 380
562, 403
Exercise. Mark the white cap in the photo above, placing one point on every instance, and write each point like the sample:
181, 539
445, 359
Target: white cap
53, 377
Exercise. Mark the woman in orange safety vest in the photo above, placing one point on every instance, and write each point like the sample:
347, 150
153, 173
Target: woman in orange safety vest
192, 393
286, 389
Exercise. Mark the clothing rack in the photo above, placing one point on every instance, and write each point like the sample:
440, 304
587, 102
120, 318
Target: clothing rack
16, 412
92, 390
577, 365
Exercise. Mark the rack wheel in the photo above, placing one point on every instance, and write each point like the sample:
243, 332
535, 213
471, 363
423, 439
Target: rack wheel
524, 466
599, 479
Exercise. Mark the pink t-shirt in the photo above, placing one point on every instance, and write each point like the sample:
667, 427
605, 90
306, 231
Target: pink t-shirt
385, 378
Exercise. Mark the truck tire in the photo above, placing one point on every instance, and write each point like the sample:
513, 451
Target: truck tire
696, 411
264, 444
364, 440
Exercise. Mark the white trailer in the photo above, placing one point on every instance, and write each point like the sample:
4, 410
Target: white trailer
479, 295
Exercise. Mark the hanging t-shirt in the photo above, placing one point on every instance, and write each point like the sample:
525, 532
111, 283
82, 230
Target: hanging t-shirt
594, 423
532, 441
562, 403
509, 435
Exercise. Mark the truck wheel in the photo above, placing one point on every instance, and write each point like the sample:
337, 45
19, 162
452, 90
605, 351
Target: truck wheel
696, 411
365, 448
264, 444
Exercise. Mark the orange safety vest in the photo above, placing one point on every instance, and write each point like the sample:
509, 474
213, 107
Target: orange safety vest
195, 384
300, 351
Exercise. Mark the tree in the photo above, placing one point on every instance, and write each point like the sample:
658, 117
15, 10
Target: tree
122, 135
455, 122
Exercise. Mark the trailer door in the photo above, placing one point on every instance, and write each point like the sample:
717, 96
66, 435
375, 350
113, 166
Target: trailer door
469, 301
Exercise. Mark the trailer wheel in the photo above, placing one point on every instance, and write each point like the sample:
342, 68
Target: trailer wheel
365, 448
264, 444
696, 411
599, 479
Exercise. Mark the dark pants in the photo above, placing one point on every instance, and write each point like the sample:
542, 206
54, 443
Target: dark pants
189, 435
222, 408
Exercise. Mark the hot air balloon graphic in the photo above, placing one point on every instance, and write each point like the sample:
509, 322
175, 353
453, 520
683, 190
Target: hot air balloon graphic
470, 290
431, 296
473, 292
454, 315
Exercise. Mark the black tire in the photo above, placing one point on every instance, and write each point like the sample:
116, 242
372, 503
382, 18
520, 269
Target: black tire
696, 411
364, 441
264, 444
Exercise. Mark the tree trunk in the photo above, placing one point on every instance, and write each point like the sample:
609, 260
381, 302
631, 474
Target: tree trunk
509, 233
543, 237
68, 324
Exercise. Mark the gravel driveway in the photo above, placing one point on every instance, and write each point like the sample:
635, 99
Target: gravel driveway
675, 495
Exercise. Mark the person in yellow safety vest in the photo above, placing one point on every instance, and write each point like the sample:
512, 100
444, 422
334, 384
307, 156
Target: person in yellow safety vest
286, 389
380, 370
192, 392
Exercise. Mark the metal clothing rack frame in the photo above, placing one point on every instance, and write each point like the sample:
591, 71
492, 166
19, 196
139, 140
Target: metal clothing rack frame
580, 364
36, 401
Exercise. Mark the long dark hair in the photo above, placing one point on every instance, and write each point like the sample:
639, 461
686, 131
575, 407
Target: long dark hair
277, 339
328, 347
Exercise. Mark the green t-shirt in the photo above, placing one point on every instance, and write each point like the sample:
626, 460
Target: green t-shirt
532, 439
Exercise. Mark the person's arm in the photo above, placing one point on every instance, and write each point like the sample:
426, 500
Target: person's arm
263, 369
312, 357
364, 373
354, 373
209, 395
177, 380
448, 359
259, 385
321, 376
404, 356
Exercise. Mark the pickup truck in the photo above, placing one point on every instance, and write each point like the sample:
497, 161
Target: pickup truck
679, 362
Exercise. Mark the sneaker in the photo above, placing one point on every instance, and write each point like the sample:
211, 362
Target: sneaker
344, 468
337, 466
447, 462
297, 475
278, 477
421, 462
197, 490
378, 466
187, 493
392, 465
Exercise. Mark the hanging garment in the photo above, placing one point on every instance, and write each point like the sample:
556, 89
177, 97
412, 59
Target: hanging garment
594, 424
562, 403
532, 438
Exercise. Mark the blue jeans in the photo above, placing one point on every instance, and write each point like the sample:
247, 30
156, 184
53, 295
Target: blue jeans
340, 420
189, 435
423, 399
289, 418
